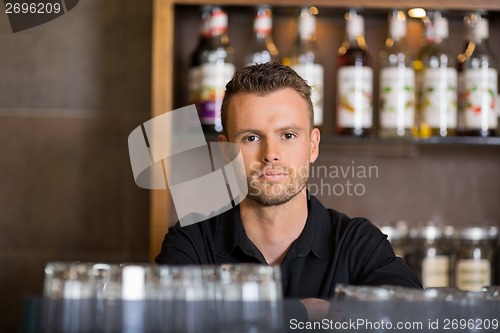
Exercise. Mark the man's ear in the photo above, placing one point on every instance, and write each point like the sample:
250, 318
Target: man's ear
315, 137
222, 138
224, 148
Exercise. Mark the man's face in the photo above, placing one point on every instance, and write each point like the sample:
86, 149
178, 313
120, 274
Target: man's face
273, 133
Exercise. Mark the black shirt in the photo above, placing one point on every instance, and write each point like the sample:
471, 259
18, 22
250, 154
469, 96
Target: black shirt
331, 249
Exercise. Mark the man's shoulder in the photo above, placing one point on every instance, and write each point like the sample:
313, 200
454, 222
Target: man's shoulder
322, 212
205, 225
339, 220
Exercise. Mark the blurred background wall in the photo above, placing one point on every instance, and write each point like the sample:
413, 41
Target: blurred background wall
71, 91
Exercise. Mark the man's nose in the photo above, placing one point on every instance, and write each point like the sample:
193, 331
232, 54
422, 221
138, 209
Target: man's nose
271, 153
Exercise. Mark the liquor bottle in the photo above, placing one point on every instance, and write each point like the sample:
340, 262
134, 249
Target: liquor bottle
194, 74
306, 61
263, 48
436, 82
477, 81
217, 69
397, 82
354, 80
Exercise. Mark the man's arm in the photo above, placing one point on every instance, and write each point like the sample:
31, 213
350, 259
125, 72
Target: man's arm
373, 261
394, 272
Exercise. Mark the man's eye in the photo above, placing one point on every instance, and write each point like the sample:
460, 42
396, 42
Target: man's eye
251, 138
288, 136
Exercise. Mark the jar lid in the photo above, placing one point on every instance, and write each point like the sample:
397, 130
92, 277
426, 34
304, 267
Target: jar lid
493, 231
474, 233
395, 231
430, 232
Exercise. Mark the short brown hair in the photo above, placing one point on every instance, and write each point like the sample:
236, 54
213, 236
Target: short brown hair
262, 79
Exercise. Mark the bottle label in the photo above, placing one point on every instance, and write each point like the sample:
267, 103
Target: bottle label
472, 274
355, 91
314, 75
439, 98
435, 271
214, 77
397, 98
479, 98
498, 106
461, 100
194, 84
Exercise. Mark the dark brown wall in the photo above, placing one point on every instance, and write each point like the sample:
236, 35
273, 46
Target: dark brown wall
71, 91
452, 183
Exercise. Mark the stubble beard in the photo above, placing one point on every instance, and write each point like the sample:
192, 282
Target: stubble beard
267, 193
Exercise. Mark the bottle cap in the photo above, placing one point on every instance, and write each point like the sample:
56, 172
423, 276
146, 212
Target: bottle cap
481, 30
263, 21
441, 27
430, 232
218, 22
307, 23
397, 25
355, 25
205, 22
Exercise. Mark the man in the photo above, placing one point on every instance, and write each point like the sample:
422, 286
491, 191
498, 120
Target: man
267, 112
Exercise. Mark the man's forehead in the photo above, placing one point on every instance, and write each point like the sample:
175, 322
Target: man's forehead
283, 108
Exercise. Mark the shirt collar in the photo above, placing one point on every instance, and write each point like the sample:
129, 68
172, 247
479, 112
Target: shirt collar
316, 235
229, 233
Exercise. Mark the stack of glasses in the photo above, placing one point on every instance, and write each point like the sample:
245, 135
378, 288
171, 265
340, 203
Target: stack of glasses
97, 297
389, 308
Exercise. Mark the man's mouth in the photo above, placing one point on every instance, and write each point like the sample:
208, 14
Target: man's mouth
272, 175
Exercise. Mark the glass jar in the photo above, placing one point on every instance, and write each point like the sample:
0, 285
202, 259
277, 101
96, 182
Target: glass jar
433, 256
473, 268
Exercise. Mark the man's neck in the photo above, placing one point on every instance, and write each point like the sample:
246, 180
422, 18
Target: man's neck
274, 228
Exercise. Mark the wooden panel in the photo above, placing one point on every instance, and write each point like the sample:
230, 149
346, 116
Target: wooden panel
428, 4
163, 29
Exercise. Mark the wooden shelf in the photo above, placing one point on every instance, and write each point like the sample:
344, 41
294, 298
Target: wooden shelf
447, 141
427, 4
